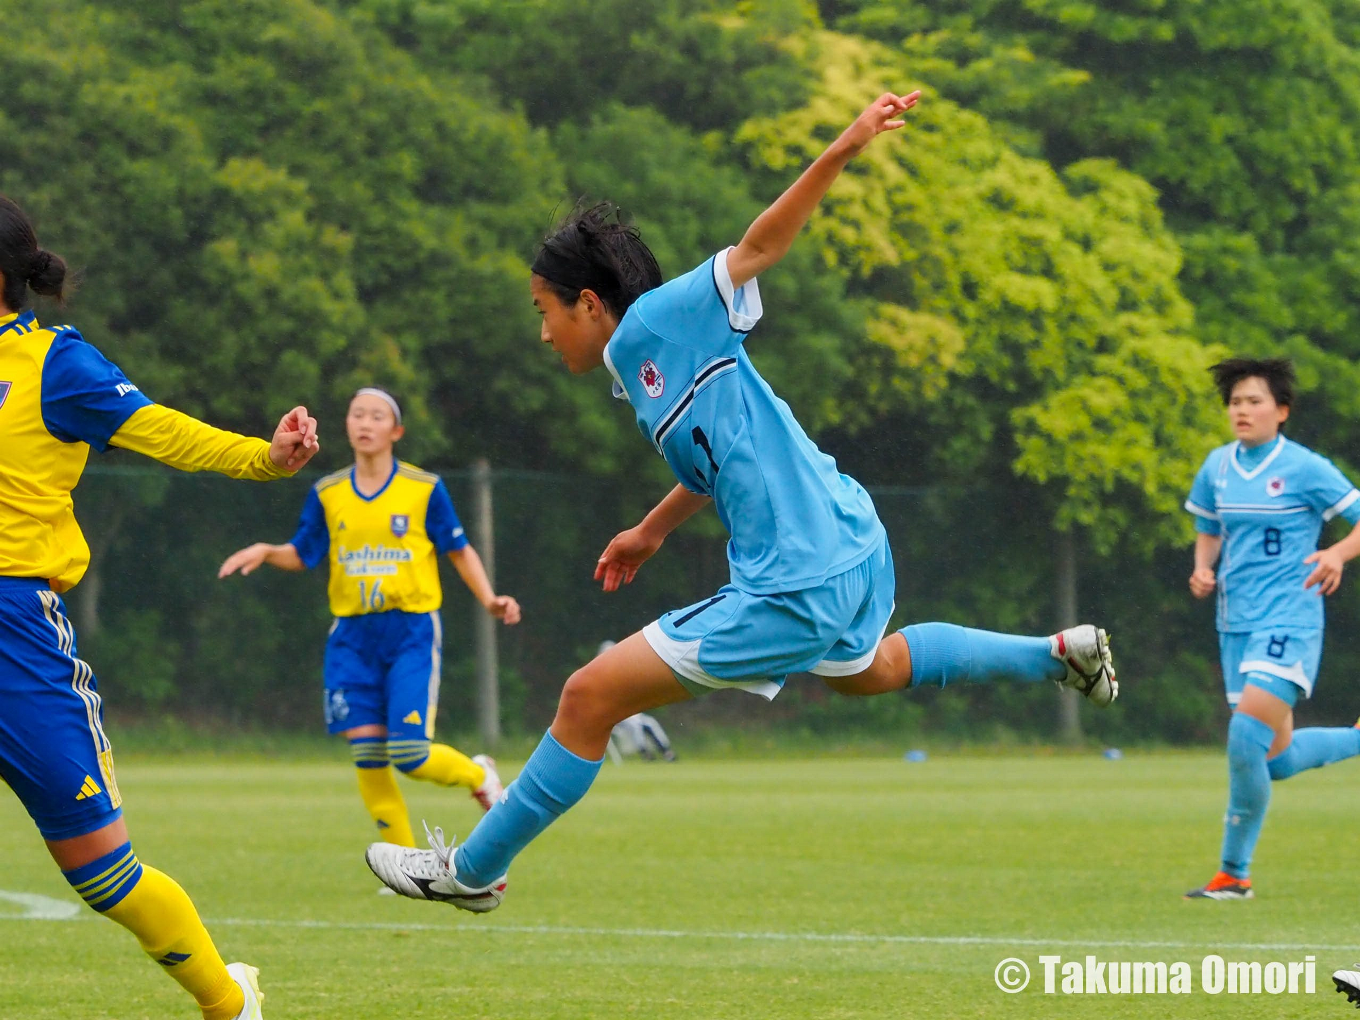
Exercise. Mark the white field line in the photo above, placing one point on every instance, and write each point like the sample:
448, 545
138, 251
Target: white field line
821, 938
851, 938
42, 908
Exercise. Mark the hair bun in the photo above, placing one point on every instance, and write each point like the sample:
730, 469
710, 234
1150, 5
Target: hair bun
47, 273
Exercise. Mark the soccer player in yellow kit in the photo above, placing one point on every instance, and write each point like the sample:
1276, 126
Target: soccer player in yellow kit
382, 525
58, 398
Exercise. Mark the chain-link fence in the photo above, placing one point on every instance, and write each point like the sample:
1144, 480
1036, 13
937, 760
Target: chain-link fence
166, 636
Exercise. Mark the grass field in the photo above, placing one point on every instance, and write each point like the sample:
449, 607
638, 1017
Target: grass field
713, 889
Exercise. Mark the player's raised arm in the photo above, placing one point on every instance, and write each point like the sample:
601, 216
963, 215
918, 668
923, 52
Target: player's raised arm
188, 444
769, 238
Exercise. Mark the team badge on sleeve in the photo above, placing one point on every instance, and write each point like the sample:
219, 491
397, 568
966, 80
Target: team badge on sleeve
651, 378
401, 524
4, 392
1275, 487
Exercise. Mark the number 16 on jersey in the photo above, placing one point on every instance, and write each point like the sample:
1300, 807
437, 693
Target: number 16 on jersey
371, 596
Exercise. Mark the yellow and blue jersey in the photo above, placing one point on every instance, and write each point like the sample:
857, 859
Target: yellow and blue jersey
383, 549
58, 398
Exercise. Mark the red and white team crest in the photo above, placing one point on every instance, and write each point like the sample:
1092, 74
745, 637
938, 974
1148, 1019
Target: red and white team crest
1275, 486
651, 378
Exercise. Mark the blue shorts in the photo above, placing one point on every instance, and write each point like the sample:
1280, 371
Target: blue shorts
53, 752
753, 642
383, 668
1282, 661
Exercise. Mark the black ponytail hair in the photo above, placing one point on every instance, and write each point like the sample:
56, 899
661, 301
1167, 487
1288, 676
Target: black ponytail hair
593, 249
23, 263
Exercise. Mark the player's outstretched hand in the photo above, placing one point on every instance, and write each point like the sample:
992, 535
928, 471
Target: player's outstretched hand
245, 560
1327, 574
881, 115
294, 442
619, 563
504, 608
1203, 582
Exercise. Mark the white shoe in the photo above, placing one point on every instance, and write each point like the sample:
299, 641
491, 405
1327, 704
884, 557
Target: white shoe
429, 875
1348, 984
248, 978
1085, 651
491, 789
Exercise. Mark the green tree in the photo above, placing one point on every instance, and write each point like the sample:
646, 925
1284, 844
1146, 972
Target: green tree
1011, 305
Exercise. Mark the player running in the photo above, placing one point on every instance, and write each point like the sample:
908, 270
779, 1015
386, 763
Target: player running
811, 575
58, 398
1259, 505
382, 525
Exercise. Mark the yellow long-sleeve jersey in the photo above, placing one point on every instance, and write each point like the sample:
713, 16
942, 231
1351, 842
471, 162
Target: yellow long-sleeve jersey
58, 397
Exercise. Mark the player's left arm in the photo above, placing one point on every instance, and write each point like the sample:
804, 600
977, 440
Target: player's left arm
1329, 563
769, 238
445, 531
470, 569
1333, 494
182, 442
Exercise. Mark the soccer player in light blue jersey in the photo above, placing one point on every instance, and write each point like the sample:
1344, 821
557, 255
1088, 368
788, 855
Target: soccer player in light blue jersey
1259, 504
811, 574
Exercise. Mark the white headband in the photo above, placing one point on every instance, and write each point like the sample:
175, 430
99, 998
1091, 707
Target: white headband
373, 391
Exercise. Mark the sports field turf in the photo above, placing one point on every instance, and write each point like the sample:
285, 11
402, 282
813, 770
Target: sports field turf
706, 889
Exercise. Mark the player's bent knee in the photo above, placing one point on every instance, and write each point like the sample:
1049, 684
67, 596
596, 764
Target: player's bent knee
585, 706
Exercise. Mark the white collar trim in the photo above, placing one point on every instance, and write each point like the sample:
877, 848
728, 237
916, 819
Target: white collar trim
619, 392
1249, 475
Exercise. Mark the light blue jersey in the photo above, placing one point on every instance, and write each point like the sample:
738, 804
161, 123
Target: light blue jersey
1269, 504
678, 358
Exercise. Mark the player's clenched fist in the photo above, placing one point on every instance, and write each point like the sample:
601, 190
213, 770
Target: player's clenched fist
294, 442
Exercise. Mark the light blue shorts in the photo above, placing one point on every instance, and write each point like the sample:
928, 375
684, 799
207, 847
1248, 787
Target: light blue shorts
753, 642
1283, 659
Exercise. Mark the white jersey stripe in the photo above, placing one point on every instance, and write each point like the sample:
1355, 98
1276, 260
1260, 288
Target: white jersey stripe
1341, 504
1199, 511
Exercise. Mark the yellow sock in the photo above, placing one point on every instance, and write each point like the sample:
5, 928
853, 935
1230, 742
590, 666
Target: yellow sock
448, 767
165, 922
385, 803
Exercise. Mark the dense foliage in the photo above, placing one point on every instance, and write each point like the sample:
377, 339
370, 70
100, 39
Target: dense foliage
1004, 311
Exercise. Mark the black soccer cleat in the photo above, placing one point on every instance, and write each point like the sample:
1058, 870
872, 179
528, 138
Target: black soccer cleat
1348, 983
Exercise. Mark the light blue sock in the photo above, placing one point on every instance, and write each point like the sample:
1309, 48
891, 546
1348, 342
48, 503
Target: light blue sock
1314, 747
1248, 791
553, 780
944, 653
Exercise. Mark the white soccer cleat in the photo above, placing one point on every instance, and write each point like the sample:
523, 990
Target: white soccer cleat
491, 789
1085, 651
1348, 984
248, 978
429, 875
